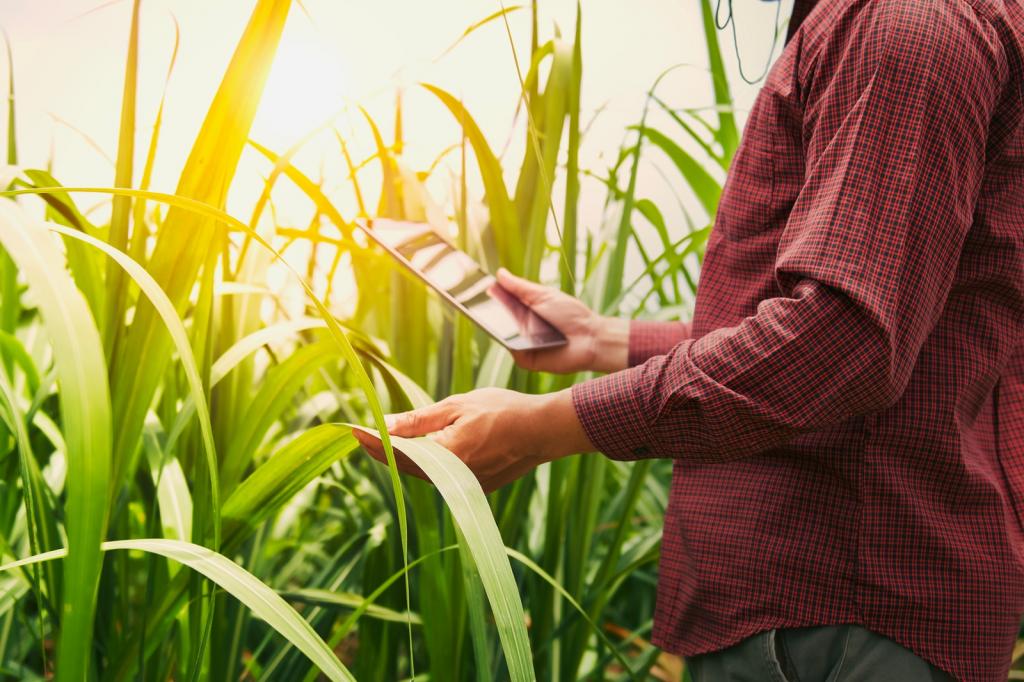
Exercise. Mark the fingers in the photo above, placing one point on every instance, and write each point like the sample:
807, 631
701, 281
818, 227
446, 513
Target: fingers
420, 422
369, 443
375, 448
448, 438
527, 359
526, 291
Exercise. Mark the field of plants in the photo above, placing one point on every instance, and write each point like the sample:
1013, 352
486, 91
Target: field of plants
180, 496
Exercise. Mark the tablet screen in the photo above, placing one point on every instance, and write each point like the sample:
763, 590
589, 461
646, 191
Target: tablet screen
455, 275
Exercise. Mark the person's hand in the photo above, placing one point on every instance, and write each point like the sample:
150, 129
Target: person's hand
594, 343
501, 435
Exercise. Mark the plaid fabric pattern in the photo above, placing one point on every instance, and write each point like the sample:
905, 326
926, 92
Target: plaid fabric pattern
847, 418
648, 338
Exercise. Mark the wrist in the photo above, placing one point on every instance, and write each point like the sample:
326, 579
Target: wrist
562, 433
611, 344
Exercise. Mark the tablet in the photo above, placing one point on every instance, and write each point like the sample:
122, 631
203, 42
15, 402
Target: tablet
464, 284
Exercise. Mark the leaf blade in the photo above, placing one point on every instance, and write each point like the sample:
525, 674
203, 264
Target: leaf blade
244, 586
465, 499
86, 416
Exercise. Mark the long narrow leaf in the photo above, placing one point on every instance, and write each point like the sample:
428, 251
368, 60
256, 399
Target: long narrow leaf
465, 498
186, 241
274, 396
704, 186
544, 575
503, 215
86, 418
236, 581
9, 303
179, 336
121, 211
287, 472
335, 329
12, 137
479, 24
347, 600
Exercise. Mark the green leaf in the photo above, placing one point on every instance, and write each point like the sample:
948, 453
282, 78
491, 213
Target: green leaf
496, 368
650, 210
503, 216
545, 144
348, 600
173, 497
276, 393
692, 134
413, 392
87, 267
10, 305
239, 583
121, 211
40, 517
390, 204
261, 337
86, 419
286, 472
705, 187
465, 499
337, 333
572, 165
12, 137
546, 577
310, 188
11, 348
235, 355
612, 277
187, 239
728, 134
165, 309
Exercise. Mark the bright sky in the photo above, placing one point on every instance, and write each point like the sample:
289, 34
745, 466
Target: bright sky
69, 65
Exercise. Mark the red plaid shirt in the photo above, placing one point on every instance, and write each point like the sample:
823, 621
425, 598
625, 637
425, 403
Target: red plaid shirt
847, 416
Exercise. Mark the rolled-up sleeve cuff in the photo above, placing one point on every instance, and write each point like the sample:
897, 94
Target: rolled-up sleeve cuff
648, 338
612, 416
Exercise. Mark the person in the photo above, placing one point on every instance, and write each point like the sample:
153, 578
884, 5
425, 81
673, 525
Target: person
846, 410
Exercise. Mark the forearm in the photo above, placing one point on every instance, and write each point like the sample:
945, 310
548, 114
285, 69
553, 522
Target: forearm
749, 388
622, 343
563, 433
611, 344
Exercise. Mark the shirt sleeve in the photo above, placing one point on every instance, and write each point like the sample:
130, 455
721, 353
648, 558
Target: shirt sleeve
648, 338
895, 141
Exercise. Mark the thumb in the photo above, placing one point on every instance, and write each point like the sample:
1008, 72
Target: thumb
419, 422
527, 359
526, 291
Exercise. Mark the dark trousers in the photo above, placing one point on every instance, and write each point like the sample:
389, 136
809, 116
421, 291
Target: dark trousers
832, 653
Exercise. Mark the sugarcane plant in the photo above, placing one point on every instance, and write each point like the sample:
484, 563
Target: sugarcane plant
175, 448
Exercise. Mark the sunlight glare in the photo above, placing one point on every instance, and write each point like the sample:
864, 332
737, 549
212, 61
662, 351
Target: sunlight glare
304, 88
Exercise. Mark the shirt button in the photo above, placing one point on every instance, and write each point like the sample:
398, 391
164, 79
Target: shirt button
640, 451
